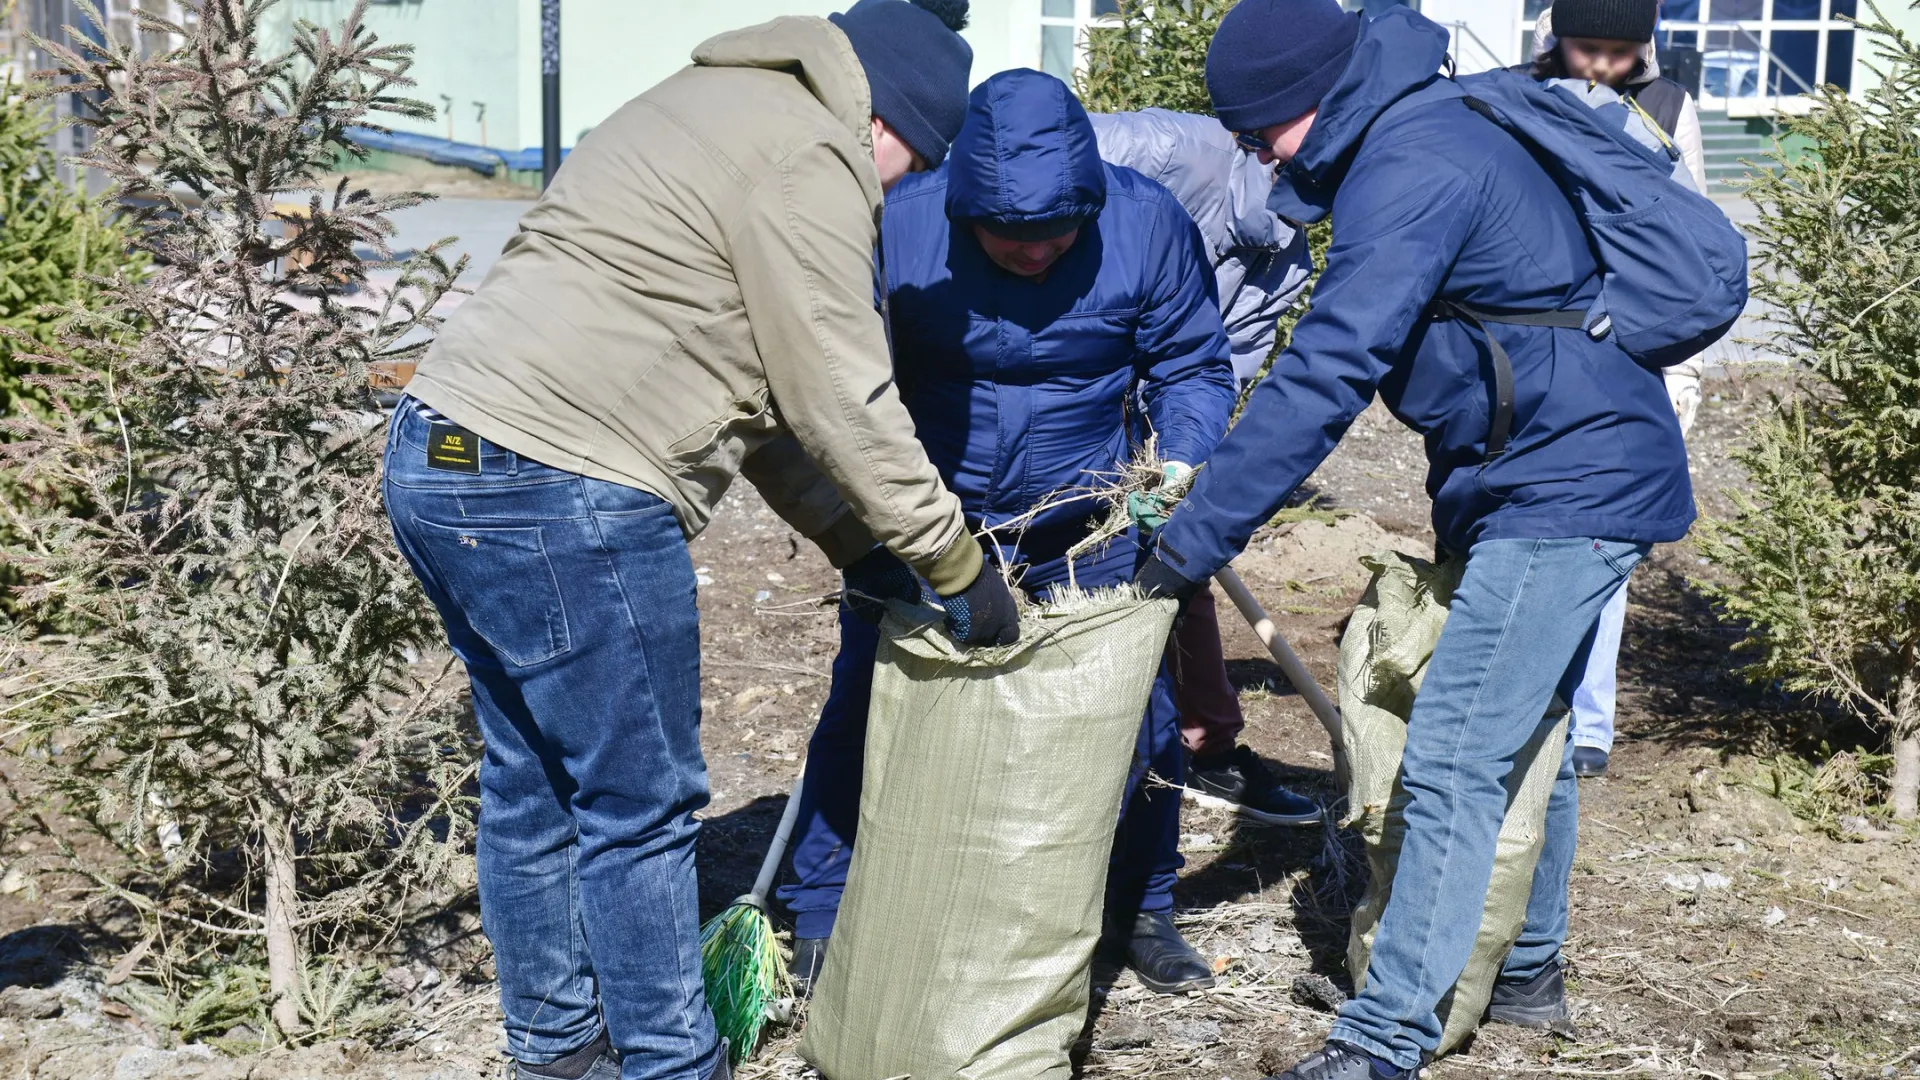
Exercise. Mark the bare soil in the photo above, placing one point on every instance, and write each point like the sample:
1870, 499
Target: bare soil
1714, 933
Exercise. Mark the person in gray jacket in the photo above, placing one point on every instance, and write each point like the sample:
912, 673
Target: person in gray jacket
1261, 266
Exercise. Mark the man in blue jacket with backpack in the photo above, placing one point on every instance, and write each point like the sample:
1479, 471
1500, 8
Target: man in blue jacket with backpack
1458, 287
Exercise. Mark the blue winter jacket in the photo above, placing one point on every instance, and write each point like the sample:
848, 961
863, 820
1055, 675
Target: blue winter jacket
1022, 388
1431, 200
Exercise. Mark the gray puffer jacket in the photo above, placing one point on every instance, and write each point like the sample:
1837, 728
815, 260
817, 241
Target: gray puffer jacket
1260, 260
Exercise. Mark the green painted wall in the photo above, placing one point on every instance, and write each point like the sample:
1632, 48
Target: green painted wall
467, 50
489, 51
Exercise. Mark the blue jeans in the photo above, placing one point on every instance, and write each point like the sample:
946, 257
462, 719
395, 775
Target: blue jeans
571, 602
1593, 701
1519, 630
1146, 856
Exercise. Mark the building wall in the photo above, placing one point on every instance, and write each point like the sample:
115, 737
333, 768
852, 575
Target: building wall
466, 52
473, 51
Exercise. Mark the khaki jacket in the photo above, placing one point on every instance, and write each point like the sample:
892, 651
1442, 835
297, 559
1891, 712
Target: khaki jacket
693, 298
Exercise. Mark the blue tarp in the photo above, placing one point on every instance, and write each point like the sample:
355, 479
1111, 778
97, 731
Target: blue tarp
484, 160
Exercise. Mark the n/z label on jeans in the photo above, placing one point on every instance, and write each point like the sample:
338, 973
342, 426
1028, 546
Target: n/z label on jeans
453, 449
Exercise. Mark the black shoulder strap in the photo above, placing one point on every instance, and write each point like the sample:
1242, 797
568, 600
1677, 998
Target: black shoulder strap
1663, 99
1500, 424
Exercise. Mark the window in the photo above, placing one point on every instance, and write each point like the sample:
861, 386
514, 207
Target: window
1760, 48
1063, 29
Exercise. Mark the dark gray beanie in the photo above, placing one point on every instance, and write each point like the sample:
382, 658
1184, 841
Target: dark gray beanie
1611, 20
917, 64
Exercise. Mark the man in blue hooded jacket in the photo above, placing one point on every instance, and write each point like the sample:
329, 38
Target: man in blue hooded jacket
1433, 206
1034, 294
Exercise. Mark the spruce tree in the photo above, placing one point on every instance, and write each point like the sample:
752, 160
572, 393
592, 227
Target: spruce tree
1822, 554
1152, 55
233, 709
55, 241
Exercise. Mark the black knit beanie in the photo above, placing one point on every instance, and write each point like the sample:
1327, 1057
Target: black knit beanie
1610, 20
918, 67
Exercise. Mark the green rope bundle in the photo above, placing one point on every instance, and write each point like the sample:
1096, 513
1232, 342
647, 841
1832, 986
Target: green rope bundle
744, 971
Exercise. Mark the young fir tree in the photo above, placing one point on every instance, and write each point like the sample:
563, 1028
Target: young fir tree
233, 711
1152, 55
55, 241
1823, 552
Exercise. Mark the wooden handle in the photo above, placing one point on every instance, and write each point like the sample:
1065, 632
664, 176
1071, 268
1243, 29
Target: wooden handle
1283, 654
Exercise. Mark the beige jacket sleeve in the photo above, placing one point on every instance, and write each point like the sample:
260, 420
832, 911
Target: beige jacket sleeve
804, 498
803, 254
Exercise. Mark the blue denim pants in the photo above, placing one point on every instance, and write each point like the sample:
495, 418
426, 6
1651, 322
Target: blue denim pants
1520, 628
1146, 855
1593, 701
571, 602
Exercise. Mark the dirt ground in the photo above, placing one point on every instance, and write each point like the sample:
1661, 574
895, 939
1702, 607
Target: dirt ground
1714, 933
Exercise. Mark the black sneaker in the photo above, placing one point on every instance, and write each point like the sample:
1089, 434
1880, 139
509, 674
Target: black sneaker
1589, 762
1238, 780
1339, 1061
808, 954
1540, 1002
1162, 959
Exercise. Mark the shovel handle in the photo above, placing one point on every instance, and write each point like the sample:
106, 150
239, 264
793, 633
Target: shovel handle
770, 866
1283, 654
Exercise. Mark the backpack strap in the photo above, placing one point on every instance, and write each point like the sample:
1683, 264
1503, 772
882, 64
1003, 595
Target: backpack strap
1500, 424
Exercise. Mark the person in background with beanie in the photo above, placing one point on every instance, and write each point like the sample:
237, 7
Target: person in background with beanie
1036, 293
1261, 267
1433, 206
1611, 42
690, 300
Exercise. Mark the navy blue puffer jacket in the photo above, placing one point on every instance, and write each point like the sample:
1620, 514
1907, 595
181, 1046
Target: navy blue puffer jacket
1430, 201
1020, 388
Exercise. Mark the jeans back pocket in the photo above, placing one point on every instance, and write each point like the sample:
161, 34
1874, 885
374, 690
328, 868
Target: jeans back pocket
503, 583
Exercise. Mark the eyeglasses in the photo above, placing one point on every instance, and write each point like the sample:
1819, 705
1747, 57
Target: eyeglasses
1252, 144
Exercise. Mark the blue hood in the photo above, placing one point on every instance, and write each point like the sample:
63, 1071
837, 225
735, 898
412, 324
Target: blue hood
1027, 154
1397, 53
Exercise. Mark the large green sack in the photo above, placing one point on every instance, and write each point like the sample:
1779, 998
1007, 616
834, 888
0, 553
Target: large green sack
993, 782
1383, 658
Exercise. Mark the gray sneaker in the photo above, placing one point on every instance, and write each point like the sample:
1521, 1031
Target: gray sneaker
1339, 1061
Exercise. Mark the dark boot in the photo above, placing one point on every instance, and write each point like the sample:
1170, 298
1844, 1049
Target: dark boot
596, 1061
1540, 1002
1162, 959
1339, 1061
1589, 762
809, 953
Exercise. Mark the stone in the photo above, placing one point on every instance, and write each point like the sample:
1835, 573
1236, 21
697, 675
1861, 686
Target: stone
29, 1003
1123, 1033
1193, 1032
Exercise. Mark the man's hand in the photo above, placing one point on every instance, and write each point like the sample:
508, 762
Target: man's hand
984, 613
877, 577
1150, 509
1156, 579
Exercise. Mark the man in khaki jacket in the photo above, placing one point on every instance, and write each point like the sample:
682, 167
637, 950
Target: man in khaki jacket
690, 300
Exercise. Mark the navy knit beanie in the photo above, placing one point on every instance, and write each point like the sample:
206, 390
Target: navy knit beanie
917, 66
1272, 61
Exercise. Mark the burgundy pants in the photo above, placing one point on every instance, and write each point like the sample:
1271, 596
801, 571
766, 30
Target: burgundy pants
1210, 717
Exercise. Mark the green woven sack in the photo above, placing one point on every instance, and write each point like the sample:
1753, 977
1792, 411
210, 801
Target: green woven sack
993, 783
1383, 658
